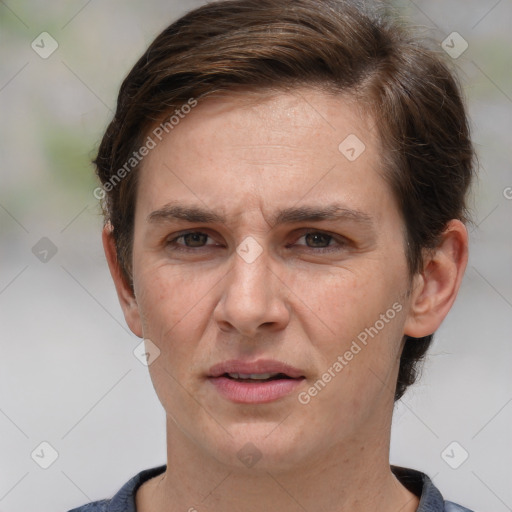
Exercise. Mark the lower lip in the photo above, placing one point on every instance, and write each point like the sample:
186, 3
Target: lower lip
254, 392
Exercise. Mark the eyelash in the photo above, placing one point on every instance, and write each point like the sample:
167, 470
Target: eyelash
340, 241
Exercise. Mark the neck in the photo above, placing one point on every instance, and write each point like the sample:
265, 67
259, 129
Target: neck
354, 475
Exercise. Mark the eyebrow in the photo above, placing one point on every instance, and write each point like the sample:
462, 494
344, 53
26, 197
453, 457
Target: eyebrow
194, 214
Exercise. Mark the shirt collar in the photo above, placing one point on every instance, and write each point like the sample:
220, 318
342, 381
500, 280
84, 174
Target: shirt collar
416, 482
420, 484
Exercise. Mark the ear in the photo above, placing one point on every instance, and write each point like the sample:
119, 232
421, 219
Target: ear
435, 288
124, 290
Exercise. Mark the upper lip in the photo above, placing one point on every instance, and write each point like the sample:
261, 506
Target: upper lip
254, 367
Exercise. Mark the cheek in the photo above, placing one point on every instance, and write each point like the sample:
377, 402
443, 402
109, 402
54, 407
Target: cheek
342, 302
355, 326
175, 307
169, 295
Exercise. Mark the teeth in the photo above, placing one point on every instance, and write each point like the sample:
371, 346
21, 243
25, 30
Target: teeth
256, 376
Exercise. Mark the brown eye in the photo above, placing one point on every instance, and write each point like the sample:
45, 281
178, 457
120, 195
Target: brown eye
190, 241
195, 239
321, 242
317, 239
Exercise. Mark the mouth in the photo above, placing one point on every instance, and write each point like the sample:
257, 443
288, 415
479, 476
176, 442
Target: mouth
256, 382
255, 377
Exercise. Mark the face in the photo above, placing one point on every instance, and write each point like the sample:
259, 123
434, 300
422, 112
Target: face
265, 244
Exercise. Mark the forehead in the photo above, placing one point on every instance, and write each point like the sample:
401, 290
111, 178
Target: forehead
264, 150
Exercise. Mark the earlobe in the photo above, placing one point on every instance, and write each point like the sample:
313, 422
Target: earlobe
435, 288
124, 291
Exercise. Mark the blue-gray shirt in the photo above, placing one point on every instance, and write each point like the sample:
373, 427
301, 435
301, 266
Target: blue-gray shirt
416, 482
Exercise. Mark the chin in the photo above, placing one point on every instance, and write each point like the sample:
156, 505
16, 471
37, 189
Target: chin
261, 447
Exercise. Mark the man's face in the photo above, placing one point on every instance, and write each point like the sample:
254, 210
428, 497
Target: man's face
266, 274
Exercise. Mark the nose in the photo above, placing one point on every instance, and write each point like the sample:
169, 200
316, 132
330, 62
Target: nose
253, 299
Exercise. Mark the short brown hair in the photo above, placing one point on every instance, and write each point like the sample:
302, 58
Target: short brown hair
278, 44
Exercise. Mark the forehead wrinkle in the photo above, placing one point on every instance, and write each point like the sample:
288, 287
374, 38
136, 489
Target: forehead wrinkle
308, 213
190, 213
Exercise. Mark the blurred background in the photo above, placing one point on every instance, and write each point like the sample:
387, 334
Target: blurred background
68, 375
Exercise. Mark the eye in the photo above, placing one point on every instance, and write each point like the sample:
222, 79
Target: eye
321, 240
317, 239
190, 240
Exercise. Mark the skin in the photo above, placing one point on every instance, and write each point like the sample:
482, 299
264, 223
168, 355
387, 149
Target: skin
302, 301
